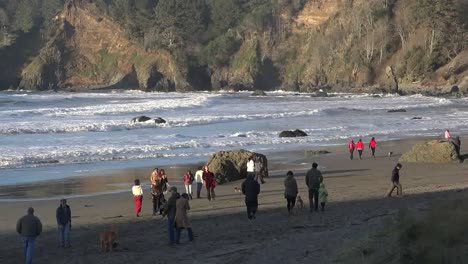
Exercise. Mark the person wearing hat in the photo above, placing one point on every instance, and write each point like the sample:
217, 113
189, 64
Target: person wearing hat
63, 215
29, 227
170, 211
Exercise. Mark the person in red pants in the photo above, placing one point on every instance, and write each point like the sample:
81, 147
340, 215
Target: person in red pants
137, 197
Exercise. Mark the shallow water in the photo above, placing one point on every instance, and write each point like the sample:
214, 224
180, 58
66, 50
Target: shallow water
50, 136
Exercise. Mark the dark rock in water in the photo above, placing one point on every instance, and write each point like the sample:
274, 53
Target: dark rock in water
295, 133
140, 119
300, 133
416, 118
287, 133
242, 135
233, 164
159, 120
396, 111
259, 93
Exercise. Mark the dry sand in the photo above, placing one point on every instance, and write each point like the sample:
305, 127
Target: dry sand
222, 232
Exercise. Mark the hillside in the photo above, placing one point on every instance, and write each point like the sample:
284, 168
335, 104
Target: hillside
181, 45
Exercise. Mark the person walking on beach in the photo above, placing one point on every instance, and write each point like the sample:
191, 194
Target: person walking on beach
396, 181
63, 216
351, 147
170, 211
290, 191
181, 218
251, 167
313, 179
188, 180
210, 183
29, 227
323, 196
360, 147
154, 176
137, 197
372, 145
447, 134
199, 180
251, 188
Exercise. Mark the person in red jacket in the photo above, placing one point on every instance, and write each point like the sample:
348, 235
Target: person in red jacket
372, 145
188, 180
351, 147
210, 182
360, 147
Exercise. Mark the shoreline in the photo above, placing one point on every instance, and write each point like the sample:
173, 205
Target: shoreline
112, 181
356, 205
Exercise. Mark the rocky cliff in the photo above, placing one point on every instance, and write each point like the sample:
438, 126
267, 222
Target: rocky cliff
181, 45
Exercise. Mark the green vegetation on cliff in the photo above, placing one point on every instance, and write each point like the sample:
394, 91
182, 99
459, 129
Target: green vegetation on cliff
267, 44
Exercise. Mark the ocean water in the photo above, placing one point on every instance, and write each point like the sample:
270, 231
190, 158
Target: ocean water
46, 136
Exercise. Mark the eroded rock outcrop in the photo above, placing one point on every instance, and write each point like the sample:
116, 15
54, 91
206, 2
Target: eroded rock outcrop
233, 164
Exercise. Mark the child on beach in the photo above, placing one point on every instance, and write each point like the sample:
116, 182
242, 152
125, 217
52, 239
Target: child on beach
372, 145
137, 197
351, 147
323, 196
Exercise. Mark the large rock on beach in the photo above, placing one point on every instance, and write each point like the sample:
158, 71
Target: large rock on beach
295, 133
233, 164
434, 151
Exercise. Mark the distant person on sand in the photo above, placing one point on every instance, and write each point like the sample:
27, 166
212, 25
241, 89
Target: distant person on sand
188, 180
351, 147
396, 181
181, 218
372, 145
447, 134
360, 147
156, 197
313, 179
137, 197
199, 180
290, 191
63, 216
457, 144
210, 183
29, 227
170, 211
154, 176
323, 196
251, 188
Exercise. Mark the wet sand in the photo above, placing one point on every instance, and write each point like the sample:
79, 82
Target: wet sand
223, 233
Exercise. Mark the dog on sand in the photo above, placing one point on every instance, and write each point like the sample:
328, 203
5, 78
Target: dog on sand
299, 202
108, 240
390, 153
237, 190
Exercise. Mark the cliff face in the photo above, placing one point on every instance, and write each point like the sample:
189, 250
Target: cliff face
304, 45
90, 50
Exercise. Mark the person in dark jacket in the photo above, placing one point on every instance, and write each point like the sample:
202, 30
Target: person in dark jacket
170, 210
63, 215
29, 227
290, 191
313, 180
251, 189
396, 181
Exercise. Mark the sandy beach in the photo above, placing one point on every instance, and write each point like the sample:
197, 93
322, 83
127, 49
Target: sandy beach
222, 232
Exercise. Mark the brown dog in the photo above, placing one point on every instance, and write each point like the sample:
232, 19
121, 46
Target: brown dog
237, 190
299, 202
108, 240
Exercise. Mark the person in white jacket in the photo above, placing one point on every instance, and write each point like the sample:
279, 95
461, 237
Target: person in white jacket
199, 180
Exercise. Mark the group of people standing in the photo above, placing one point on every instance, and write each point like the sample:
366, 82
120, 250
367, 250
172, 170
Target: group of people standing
359, 146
